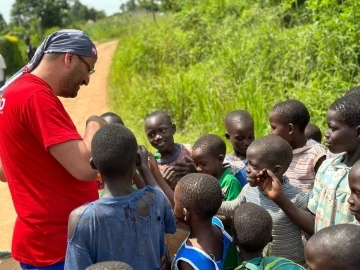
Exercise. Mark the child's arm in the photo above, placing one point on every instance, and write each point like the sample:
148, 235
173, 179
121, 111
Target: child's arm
229, 207
272, 187
138, 181
183, 168
319, 162
2, 173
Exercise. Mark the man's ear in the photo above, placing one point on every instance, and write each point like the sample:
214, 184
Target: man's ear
138, 160
92, 164
227, 136
291, 128
69, 57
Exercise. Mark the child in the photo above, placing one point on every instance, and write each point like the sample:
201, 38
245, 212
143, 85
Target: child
174, 160
288, 119
112, 118
109, 266
328, 200
274, 153
334, 248
125, 225
354, 185
252, 226
240, 132
197, 199
313, 132
208, 155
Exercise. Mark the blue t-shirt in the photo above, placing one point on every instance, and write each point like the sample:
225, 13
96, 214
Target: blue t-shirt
199, 259
110, 229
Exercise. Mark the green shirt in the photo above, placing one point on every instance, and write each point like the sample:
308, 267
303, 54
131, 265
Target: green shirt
231, 188
269, 263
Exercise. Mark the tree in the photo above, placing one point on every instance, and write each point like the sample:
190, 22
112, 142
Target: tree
3, 25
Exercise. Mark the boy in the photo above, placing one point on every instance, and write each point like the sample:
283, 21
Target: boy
208, 154
174, 160
354, 185
125, 225
112, 118
328, 200
252, 226
313, 132
110, 266
197, 199
334, 248
288, 119
275, 154
240, 132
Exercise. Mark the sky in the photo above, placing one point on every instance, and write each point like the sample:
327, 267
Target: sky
109, 6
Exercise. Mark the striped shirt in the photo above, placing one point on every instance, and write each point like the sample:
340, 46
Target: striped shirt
301, 171
287, 240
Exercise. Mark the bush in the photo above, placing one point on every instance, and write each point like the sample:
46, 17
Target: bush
11, 49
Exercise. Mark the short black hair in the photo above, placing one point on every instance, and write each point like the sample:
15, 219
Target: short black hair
200, 193
109, 266
347, 108
211, 144
252, 227
294, 112
159, 113
114, 150
340, 244
313, 132
116, 119
353, 91
275, 149
238, 117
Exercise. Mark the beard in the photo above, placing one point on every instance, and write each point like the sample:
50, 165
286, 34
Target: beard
71, 82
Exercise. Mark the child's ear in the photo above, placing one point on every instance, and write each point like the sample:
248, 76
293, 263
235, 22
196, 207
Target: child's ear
92, 164
186, 214
227, 136
138, 160
277, 169
271, 239
174, 128
221, 159
358, 132
291, 128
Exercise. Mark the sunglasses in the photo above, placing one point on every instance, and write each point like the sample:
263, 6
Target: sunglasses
90, 69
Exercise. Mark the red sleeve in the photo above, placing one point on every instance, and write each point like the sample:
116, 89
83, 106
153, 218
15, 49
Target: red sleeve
47, 120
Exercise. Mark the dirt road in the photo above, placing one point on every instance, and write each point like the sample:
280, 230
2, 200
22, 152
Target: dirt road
91, 100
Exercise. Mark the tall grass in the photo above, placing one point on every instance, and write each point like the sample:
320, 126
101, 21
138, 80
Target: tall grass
208, 60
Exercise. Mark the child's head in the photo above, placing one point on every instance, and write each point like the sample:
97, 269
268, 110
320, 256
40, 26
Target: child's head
313, 132
354, 185
197, 196
252, 227
288, 119
239, 130
114, 152
109, 266
343, 119
208, 153
353, 91
270, 152
160, 130
335, 247
112, 118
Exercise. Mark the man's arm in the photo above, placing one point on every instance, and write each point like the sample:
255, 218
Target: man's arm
75, 155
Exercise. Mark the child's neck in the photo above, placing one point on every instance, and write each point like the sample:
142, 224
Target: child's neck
299, 141
201, 230
237, 156
117, 188
219, 173
168, 153
247, 256
351, 158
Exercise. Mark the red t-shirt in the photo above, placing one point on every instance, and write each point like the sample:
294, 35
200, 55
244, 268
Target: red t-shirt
32, 119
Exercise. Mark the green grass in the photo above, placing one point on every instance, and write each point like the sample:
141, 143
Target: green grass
207, 60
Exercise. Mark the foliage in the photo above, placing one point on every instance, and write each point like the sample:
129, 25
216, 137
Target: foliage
215, 56
10, 50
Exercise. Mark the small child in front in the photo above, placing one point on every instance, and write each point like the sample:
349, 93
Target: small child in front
288, 119
275, 154
334, 248
313, 132
197, 198
126, 224
240, 132
208, 154
252, 226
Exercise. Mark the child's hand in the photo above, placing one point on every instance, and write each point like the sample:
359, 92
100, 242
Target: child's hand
152, 162
270, 184
144, 156
183, 168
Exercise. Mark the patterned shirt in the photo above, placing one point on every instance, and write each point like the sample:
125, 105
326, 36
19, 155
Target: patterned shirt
287, 241
328, 199
301, 171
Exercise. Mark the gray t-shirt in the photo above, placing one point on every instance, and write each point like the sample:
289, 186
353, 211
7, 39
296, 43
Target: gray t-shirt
110, 229
287, 237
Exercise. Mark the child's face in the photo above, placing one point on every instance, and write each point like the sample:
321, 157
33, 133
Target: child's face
354, 199
256, 162
240, 136
278, 128
206, 163
339, 137
160, 132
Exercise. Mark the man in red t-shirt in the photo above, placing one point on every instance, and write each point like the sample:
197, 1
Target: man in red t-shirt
45, 160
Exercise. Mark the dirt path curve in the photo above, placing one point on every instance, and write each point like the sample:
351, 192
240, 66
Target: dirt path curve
90, 100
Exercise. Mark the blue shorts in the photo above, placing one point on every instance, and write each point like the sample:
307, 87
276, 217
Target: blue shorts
56, 266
